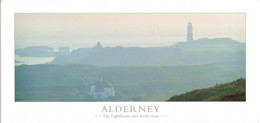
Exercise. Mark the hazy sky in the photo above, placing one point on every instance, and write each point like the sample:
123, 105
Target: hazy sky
144, 30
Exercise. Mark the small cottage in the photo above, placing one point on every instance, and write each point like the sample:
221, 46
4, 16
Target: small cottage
101, 89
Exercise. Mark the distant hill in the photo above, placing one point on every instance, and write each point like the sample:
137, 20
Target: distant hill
232, 91
213, 45
202, 51
41, 51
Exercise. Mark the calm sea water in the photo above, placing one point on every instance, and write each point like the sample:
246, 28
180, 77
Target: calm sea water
32, 60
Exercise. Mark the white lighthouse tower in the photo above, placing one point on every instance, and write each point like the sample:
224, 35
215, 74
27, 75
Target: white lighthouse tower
189, 33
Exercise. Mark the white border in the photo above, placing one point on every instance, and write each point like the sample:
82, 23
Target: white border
194, 112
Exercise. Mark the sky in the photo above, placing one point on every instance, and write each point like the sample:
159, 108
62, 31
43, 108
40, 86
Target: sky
128, 30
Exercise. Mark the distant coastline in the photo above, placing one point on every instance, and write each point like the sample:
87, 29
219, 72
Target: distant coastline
32, 60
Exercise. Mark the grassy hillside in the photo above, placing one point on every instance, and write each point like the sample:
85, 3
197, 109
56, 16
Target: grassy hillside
51, 82
232, 91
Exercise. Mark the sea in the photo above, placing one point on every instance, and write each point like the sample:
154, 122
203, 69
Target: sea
31, 60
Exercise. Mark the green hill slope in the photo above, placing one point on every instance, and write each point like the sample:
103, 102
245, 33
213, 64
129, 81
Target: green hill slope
72, 82
232, 91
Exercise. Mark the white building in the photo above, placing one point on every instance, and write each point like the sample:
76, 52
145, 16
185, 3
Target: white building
101, 89
64, 50
189, 32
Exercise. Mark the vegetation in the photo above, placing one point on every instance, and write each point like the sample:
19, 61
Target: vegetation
49, 82
232, 91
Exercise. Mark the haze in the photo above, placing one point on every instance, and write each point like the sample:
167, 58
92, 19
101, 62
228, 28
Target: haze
129, 30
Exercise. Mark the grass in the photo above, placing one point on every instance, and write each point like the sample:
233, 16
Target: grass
231, 91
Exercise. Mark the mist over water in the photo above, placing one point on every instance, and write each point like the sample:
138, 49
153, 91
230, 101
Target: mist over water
32, 60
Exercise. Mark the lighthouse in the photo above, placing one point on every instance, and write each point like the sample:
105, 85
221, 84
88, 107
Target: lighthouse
189, 33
